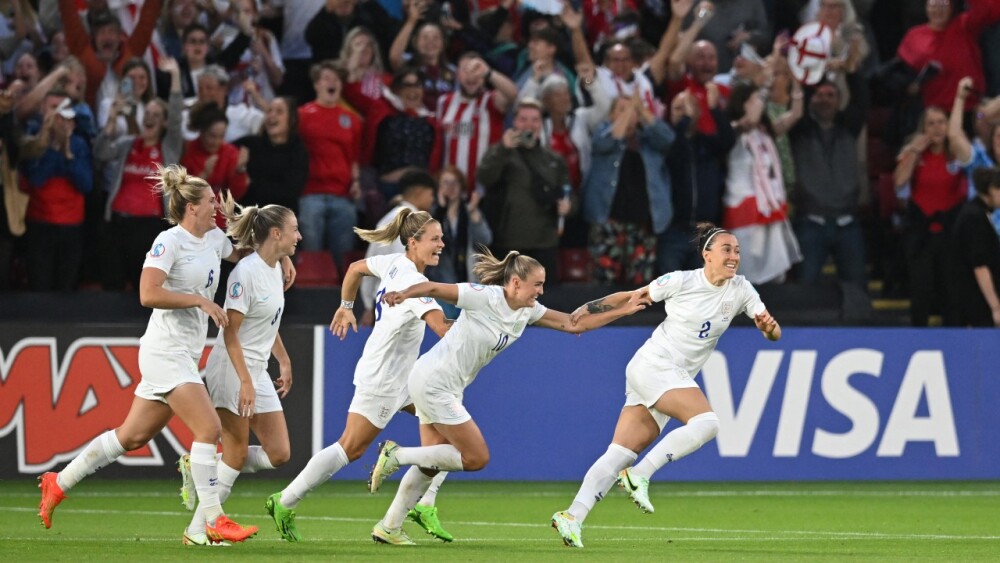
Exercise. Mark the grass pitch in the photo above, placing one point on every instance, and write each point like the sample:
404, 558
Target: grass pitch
143, 521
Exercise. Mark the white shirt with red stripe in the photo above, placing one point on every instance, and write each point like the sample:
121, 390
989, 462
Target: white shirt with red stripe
468, 127
615, 87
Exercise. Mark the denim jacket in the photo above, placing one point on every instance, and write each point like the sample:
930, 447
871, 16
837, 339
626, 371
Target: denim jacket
599, 186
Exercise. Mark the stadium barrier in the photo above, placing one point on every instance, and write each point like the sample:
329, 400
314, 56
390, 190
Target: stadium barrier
821, 404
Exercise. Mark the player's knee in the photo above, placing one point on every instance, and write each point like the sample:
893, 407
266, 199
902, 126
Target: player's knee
705, 426
209, 432
475, 460
279, 456
135, 441
236, 459
353, 448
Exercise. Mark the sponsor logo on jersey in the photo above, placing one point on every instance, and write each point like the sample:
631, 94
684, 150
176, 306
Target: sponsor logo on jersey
662, 280
235, 290
157, 250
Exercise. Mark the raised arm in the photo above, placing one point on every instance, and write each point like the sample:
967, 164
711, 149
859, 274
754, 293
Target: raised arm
675, 68
397, 52
660, 61
958, 142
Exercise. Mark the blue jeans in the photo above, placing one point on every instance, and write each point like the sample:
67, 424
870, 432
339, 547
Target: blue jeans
846, 244
327, 221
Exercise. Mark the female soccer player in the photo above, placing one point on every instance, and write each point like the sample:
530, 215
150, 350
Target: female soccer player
659, 381
493, 317
381, 374
236, 373
179, 278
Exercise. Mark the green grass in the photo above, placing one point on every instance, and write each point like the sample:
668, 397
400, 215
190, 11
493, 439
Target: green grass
143, 520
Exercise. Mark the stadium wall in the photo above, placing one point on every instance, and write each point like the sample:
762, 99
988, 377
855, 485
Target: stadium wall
821, 404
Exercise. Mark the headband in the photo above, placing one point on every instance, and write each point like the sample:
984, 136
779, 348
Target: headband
715, 231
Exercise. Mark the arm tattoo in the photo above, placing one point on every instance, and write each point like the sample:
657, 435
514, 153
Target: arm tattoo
597, 306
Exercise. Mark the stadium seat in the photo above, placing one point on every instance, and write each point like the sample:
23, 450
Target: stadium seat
315, 268
574, 265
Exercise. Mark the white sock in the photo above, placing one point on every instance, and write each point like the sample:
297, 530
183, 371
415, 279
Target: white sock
599, 479
320, 468
206, 479
444, 457
679, 443
256, 460
413, 486
431, 495
100, 452
227, 477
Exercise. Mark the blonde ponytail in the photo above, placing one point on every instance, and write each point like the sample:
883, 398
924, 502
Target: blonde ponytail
492, 271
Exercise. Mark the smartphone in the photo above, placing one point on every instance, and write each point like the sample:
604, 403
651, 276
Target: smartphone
126, 88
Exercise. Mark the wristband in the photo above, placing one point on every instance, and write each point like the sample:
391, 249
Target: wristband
345, 304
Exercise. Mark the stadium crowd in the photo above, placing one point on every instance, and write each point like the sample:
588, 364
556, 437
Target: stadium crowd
592, 135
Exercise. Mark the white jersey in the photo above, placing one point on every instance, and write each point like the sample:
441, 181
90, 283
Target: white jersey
394, 344
697, 315
192, 267
486, 327
258, 291
370, 285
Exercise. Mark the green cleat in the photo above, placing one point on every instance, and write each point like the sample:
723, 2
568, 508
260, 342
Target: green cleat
385, 466
568, 528
189, 495
427, 518
381, 534
637, 488
284, 518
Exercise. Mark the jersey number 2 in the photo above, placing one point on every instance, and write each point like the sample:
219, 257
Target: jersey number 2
705, 327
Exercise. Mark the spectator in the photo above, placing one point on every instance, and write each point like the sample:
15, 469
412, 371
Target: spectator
14, 202
198, 58
626, 196
734, 22
471, 119
933, 189
57, 165
329, 26
693, 64
542, 63
27, 71
134, 213
465, 229
784, 110
524, 189
402, 131
298, 56
599, 16
260, 60
211, 158
134, 92
107, 46
366, 76
975, 256
213, 88
277, 162
697, 164
416, 194
824, 144
981, 152
55, 52
755, 205
428, 56
331, 133
177, 16
71, 79
20, 32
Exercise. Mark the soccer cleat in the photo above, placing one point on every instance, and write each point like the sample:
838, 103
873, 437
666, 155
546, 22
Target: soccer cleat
381, 534
284, 518
385, 466
202, 540
637, 489
427, 518
568, 528
52, 495
227, 530
189, 495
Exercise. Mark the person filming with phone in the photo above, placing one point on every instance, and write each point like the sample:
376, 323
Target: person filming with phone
524, 196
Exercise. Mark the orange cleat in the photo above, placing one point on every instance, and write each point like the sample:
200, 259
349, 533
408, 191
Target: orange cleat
52, 495
227, 530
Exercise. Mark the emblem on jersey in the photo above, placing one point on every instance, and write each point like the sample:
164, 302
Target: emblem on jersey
345, 122
383, 411
662, 280
477, 287
157, 250
426, 300
235, 290
727, 310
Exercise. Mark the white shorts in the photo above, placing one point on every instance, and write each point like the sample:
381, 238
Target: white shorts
224, 384
646, 380
378, 409
163, 371
435, 405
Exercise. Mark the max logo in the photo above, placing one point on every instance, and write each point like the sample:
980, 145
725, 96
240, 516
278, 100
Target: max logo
57, 406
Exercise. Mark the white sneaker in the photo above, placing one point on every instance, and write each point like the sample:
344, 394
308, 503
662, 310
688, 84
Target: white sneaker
569, 528
381, 534
637, 488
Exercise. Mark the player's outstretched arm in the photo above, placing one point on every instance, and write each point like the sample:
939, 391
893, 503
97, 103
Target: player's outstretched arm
445, 291
564, 322
609, 302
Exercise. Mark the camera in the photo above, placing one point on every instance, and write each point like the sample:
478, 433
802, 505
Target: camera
526, 138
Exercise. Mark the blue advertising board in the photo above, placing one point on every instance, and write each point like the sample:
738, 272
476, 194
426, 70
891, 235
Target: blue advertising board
821, 404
